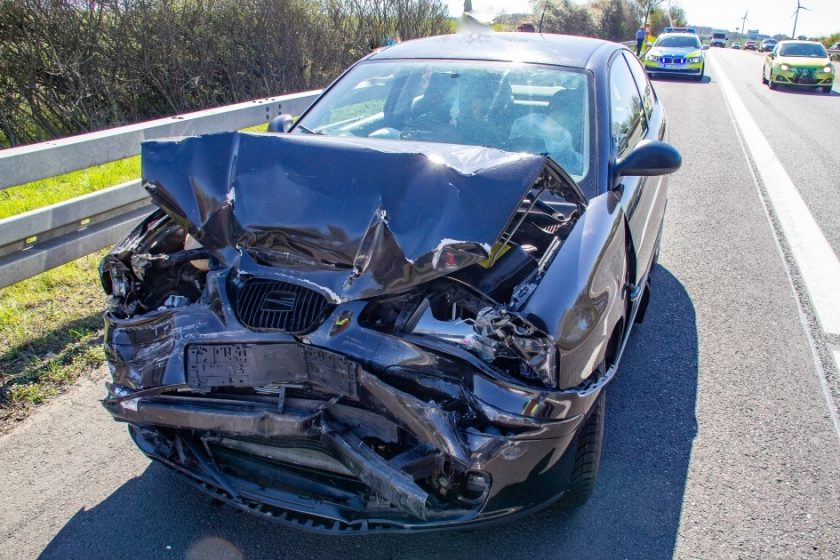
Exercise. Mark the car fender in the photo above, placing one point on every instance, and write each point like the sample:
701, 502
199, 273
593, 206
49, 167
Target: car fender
581, 297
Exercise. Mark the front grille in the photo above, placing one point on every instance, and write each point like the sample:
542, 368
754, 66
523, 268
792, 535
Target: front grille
280, 306
672, 60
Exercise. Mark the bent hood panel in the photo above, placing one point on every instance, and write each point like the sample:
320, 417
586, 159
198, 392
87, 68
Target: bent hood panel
356, 217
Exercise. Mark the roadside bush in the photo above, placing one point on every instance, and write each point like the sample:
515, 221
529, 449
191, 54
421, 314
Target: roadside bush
70, 66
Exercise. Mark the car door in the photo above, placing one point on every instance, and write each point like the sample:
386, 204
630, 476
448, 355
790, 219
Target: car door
632, 105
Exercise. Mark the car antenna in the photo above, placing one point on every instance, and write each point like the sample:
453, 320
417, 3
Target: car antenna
542, 17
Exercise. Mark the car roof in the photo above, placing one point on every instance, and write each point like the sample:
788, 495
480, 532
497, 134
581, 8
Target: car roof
798, 42
539, 48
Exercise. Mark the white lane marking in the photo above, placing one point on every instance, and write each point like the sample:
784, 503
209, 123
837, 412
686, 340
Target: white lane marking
803, 320
835, 351
817, 263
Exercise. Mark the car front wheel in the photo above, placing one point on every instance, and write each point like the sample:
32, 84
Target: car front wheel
763, 77
826, 89
702, 72
770, 83
587, 452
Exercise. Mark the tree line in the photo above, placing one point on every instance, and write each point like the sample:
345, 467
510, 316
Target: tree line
71, 66
614, 20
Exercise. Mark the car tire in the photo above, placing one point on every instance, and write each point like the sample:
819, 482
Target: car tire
770, 83
702, 73
587, 460
763, 77
826, 89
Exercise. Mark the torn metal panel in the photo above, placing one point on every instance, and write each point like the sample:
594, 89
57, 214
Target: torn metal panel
395, 486
425, 420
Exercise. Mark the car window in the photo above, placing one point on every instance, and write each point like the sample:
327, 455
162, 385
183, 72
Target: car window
625, 107
515, 107
678, 41
803, 49
642, 82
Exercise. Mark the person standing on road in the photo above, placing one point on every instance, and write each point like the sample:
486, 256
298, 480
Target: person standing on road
640, 39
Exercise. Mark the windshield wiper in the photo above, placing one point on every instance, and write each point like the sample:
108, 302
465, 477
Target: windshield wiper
308, 130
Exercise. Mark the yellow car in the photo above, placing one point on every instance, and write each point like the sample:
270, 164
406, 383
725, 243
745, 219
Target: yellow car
800, 64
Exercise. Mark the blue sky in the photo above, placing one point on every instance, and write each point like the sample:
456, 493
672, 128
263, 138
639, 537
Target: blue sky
768, 16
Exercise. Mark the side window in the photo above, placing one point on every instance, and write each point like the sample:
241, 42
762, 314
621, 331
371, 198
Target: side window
643, 83
625, 107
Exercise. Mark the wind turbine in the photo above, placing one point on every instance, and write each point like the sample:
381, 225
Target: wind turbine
796, 17
744, 20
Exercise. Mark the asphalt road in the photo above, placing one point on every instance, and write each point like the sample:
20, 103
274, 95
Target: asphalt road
719, 438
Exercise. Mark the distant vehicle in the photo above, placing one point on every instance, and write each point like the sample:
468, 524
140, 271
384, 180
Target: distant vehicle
799, 64
718, 39
767, 45
679, 54
750, 45
736, 45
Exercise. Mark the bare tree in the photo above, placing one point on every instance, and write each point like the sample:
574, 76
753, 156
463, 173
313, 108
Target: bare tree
567, 17
614, 19
68, 66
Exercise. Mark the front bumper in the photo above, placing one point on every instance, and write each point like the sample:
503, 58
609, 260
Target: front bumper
802, 77
676, 69
430, 441
306, 466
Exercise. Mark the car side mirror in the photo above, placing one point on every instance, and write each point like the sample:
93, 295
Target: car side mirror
647, 159
281, 123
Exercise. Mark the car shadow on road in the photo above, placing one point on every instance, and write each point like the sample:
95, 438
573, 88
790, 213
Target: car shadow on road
805, 91
706, 79
633, 513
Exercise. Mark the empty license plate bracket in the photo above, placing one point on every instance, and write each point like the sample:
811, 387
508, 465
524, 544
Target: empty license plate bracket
255, 365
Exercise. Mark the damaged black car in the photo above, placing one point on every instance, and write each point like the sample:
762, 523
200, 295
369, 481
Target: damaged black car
402, 310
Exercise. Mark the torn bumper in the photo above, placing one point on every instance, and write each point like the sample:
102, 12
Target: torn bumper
398, 464
310, 431
308, 466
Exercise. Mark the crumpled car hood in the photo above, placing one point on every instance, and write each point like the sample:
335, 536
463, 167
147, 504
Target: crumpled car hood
353, 218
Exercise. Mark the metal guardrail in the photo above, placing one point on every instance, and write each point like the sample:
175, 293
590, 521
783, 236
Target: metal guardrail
36, 241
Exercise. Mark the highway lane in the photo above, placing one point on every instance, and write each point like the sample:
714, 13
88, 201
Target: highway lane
719, 443
802, 127
788, 135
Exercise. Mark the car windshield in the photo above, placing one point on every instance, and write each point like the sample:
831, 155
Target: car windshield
803, 49
514, 107
685, 41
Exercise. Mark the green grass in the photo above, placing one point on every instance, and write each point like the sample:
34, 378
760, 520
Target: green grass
50, 334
